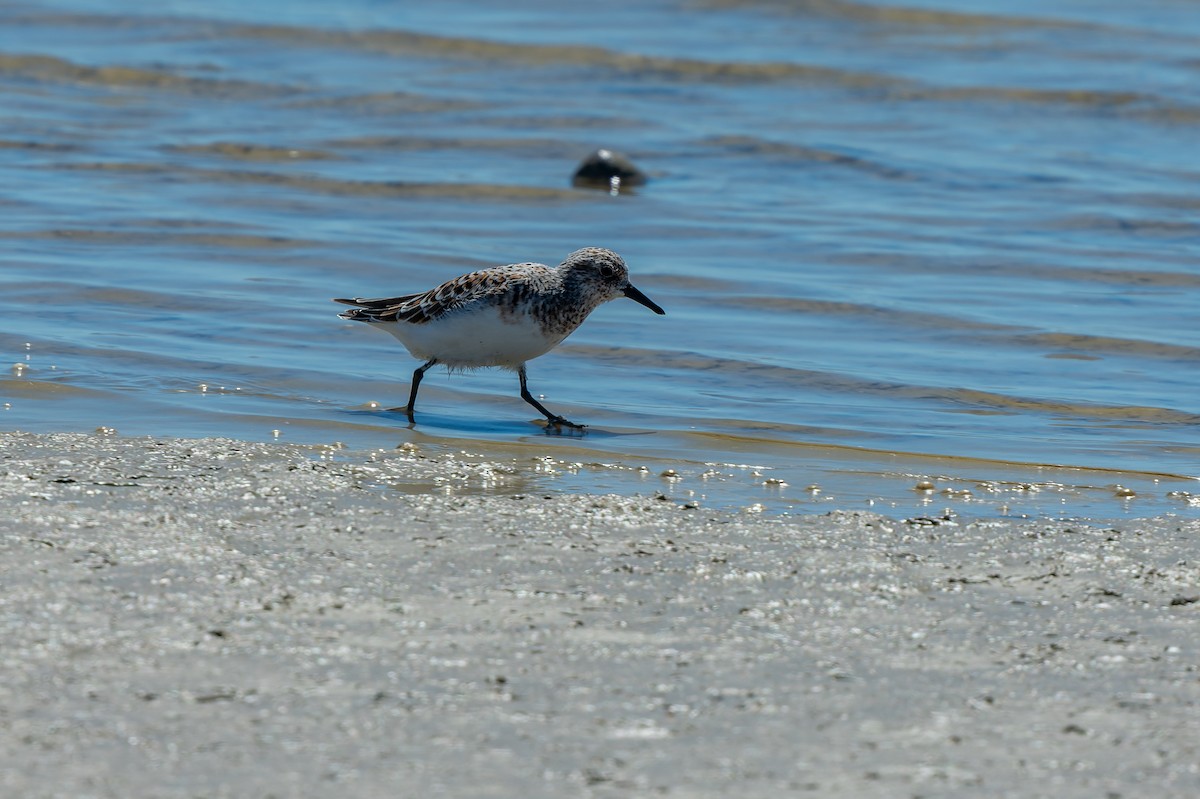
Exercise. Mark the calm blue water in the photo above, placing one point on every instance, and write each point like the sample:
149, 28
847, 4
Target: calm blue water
953, 243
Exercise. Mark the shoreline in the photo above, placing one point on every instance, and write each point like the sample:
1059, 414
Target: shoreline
224, 618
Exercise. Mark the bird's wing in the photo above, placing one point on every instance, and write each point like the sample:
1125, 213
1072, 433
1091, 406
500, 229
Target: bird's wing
420, 308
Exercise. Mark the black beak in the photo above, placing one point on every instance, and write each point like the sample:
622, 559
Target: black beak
639, 297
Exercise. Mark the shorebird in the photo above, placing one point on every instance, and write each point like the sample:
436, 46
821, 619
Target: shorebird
502, 316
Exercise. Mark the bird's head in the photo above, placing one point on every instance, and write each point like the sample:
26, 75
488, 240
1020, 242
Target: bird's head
603, 272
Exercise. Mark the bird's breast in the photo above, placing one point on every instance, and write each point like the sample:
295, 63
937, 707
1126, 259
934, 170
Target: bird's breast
490, 336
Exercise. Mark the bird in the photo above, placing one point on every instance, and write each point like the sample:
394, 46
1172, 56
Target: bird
501, 317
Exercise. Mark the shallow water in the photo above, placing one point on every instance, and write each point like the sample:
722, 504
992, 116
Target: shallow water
951, 245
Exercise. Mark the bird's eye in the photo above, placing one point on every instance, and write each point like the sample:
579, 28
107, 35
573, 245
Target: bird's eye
606, 271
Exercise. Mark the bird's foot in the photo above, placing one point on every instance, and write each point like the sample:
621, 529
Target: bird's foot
559, 421
407, 411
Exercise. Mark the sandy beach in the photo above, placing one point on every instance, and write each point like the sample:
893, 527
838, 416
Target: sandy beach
218, 618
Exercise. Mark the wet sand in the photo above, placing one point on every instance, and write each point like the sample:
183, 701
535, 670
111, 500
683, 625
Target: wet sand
219, 618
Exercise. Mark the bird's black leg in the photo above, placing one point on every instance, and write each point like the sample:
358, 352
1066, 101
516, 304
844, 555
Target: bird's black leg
554, 420
412, 395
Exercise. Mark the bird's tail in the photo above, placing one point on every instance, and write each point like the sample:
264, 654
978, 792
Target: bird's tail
379, 309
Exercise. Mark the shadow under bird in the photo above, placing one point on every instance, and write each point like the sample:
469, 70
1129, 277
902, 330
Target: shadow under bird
502, 316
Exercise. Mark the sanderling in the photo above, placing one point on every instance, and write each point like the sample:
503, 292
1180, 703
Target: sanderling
503, 316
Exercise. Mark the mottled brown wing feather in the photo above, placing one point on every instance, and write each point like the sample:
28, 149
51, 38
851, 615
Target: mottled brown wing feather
378, 309
420, 308
378, 302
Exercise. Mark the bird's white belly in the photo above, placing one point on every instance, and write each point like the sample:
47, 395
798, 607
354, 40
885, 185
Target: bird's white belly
478, 338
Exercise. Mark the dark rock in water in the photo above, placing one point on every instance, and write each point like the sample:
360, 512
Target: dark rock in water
608, 170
